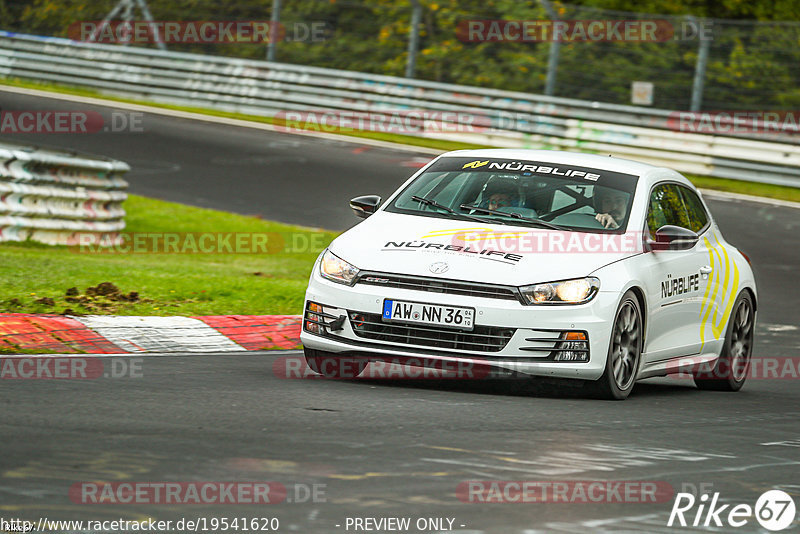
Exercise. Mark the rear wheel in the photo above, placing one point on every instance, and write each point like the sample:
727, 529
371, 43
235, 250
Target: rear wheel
730, 369
333, 365
624, 352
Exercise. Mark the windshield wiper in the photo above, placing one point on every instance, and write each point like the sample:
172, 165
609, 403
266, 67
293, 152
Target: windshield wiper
433, 203
514, 216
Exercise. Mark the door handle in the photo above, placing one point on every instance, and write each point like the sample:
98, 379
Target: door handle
706, 270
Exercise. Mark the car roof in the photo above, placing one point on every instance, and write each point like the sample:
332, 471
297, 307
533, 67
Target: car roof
648, 174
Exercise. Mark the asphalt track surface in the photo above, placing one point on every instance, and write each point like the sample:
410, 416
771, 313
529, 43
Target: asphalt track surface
385, 448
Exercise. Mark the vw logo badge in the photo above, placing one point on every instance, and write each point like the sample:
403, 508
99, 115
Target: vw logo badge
439, 267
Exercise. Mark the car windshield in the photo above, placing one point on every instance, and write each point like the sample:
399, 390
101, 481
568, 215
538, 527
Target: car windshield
523, 193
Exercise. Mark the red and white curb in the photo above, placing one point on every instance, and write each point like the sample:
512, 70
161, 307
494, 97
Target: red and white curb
113, 334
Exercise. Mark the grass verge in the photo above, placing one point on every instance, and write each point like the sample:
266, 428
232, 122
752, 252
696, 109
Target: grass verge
721, 184
37, 278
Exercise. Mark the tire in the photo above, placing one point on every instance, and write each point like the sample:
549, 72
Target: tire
333, 365
730, 369
624, 352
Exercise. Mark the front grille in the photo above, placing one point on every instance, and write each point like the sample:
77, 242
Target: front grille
436, 285
480, 339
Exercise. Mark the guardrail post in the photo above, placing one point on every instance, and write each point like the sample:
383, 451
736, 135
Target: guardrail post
153, 28
699, 69
274, 20
552, 59
126, 6
413, 38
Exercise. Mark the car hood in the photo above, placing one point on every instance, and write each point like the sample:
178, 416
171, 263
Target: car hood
488, 253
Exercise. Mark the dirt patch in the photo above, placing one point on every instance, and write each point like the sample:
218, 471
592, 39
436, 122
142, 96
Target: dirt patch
105, 297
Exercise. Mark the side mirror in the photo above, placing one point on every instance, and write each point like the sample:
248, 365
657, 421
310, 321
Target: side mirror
670, 237
365, 206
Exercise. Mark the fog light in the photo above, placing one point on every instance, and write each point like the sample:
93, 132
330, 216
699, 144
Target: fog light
357, 321
575, 348
310, 326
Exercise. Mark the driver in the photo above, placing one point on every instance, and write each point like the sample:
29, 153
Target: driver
500, 194
611, 206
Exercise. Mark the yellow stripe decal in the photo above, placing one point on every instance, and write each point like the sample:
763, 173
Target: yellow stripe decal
714, 277
716, 253
719, 328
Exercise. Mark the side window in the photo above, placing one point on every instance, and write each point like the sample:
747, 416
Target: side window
666, 207
698, 217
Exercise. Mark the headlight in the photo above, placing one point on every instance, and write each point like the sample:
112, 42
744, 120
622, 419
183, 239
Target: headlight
335, 268
575, 291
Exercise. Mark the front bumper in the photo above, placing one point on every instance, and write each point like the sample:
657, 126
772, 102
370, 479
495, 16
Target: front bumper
518, 337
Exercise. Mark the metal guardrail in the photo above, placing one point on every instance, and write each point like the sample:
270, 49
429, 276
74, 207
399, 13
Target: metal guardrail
505, 118
58, 197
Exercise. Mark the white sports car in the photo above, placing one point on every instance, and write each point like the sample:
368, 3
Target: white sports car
545, 263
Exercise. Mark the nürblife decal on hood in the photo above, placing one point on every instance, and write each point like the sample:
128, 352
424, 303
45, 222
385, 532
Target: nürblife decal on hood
476, 252
617, 180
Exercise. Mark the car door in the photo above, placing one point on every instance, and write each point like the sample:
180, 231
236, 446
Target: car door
676, 279
719, 276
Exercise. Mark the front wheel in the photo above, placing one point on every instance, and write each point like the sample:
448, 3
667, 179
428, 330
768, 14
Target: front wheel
730, 369
332, 365
624, 352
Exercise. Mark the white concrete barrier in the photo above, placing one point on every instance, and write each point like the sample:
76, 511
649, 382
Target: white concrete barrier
56, 197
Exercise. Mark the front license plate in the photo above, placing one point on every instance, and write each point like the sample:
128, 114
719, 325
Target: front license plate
432, 314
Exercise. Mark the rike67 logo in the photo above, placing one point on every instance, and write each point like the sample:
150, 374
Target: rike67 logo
774, 510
